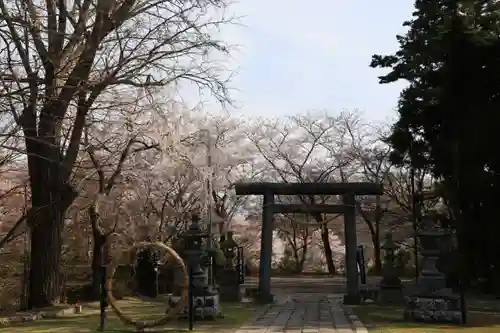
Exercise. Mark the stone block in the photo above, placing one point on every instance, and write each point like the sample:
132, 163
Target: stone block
434, 309
206, 307
230, 293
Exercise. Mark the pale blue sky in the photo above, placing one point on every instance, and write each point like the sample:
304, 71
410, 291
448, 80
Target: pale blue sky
302, 55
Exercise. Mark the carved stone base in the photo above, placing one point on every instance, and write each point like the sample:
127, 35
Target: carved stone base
229, 289
206, 307
436, 309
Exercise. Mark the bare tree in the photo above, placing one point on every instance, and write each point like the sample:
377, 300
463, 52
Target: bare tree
399, 188
13, 178
59, 59
232, 161
112, 142
13, 187
177, 184
171, 198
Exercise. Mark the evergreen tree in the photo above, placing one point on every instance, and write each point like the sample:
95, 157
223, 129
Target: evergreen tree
448, 118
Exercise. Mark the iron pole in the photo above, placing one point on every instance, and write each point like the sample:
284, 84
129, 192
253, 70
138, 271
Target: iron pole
414, 220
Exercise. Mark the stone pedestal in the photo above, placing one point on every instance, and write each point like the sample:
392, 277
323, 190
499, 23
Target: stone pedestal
433, 308
432, 302
205, 300
229, 289
205, 307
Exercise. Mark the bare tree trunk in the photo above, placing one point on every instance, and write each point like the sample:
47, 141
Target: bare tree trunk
46, 240
99, 241
377, 254
325, 238
97, 259
44, 284
327, 249
26, 259
299, 256
302, 260
297, 266
376, 236
50, 200
51, 196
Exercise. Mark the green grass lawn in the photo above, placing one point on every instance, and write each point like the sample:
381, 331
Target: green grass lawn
235, 315
388, 319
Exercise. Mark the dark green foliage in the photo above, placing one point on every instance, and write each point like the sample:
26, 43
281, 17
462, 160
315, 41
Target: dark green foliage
166, 278
449, 116
79, 293
146, 273
288, 263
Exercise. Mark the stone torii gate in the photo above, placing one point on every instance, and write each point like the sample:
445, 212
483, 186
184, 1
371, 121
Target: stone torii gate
348, 191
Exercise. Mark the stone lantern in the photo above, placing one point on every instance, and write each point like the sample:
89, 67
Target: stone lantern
389, 273
206, 301
214, 225
229, 247
432, 301
390, 285
229, 280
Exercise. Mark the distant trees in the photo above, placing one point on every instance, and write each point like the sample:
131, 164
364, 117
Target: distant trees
319, 147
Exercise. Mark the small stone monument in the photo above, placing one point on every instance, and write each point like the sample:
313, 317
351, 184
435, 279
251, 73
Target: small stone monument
206, 300
432, 302
229, 280
391, 289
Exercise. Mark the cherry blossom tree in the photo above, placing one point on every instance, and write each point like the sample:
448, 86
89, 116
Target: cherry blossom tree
175, 184
115, 137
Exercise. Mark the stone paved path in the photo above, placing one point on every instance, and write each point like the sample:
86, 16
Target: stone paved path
304, 313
